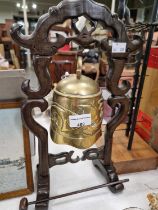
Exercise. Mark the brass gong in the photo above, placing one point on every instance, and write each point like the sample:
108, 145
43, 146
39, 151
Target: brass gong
76, 112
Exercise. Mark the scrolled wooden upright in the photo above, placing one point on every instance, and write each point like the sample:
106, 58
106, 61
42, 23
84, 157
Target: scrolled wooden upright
42, 50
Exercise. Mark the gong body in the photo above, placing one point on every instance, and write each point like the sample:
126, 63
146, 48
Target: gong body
76, 112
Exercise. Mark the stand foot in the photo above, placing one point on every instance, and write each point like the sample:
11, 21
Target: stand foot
110, 174
42, 191
42, 194
23, 204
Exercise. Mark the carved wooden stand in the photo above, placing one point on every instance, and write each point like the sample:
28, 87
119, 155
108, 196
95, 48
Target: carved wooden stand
42, 50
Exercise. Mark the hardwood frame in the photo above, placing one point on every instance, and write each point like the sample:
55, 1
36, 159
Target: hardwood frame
42, 51
27, 154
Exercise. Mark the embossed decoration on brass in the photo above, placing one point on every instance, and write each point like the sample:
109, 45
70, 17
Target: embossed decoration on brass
77, 111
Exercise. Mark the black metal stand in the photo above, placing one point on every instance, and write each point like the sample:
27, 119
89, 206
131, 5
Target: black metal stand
134, 90
143, 75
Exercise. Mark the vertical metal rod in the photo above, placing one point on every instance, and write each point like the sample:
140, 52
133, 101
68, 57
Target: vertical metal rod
26, 26
113, 6
144, 68
79, 191
134, 89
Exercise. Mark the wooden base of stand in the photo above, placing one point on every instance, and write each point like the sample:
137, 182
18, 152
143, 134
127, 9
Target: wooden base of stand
141, 158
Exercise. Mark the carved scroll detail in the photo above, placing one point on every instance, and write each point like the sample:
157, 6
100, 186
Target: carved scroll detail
40, 65
66, 157
117, 119
93, 154
113, 76
121, 113
38, 41
38, 130
62, 158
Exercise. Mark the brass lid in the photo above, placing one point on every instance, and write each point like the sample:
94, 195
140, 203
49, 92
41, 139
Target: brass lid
78, 87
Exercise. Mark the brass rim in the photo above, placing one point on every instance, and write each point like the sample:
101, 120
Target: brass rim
77, 96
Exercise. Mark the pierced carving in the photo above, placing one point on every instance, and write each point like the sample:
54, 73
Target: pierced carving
38, 41
84, 38
62, 158
93, 154
66, 157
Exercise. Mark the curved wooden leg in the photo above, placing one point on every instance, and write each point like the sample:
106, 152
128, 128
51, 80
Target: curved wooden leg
23, 204
109, 172
42, 194
105, 165
43, 188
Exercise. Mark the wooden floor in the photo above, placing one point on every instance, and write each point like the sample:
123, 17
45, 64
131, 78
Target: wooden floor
141, 158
